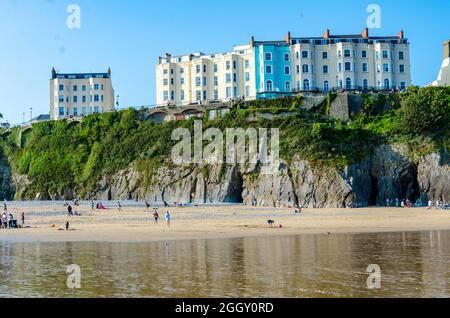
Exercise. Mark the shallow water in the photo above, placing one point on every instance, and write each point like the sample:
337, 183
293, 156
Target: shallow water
412, 265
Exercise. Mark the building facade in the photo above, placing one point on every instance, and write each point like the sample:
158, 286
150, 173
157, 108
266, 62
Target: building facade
78, 95
268, 69
444, 74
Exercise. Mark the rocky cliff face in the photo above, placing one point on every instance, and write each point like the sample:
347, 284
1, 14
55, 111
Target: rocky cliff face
387, 174
7, 188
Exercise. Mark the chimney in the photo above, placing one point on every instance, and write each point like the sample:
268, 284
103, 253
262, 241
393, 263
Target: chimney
447, 49
53, 73
252, 42
365, 33
109, 71
326, 35
401, 34
288, 38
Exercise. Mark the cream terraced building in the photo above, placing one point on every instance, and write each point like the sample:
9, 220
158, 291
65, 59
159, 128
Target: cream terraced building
197, 78
80, 94
270, 69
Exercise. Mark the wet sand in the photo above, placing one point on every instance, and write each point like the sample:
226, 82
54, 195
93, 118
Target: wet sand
135, 224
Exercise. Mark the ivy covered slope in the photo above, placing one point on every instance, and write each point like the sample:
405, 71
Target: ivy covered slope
59, 155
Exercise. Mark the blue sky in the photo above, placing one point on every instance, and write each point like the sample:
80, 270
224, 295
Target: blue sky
128, 36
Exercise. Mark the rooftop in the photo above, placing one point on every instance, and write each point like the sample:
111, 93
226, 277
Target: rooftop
56, 75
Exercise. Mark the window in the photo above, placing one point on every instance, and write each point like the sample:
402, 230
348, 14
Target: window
102, 98
61, 111
364, 54
235, 92
96, 109
268, 69
83, 99
364, 67
96, 87
339, 67
339, 54
172, 81
347, 53
166, 96
216, 94
385, 54
198, 95
228, 65
305, 54
182, 80
288, 87
298, 69
215, 68
305, 85
171, 71
268, 56
61, 98
172, 95
165, 71
75, 88
402, 68
325, 55
247, 76
402, 86
287, 70
326, 86
348, 83
205, 68
234, 65
325, 69
181, 70
286, 57
83, 88
205, 95
165, 82
61, 88
83, 111
348, 66
228, 92
96, 98
205, 81
305, 68
297, 55
269, 86
182, 94
365, 84
401, 55
197, 69
75, 111
247, 63
386, 84
247, 91
386, 68
75, 99
216, 81
198, 81
228, 78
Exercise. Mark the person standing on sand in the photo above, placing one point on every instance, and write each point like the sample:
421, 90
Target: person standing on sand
69, 211
23, 219
92, 206
168, 217
119, 206
156, 216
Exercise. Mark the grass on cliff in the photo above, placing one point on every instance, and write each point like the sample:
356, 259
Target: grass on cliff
59, 155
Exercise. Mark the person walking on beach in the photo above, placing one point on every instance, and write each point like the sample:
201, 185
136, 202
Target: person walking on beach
156, 216
22, 217
168, 217
119, 206
92, 206
69, 211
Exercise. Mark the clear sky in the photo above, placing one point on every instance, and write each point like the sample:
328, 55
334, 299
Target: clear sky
128, 36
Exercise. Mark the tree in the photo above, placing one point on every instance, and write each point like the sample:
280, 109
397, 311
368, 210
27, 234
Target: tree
425, 110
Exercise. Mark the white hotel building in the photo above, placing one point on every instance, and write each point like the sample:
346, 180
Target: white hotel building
268, 69
81, 94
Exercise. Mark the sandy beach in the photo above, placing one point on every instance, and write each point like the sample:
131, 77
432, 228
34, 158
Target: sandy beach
135, 224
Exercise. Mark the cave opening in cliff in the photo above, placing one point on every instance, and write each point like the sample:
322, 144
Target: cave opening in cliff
410, 185
234, 194
374, 191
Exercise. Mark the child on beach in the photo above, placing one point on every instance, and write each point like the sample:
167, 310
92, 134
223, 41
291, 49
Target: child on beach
168, 217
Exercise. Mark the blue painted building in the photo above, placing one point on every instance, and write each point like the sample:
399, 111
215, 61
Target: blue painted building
273, 76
